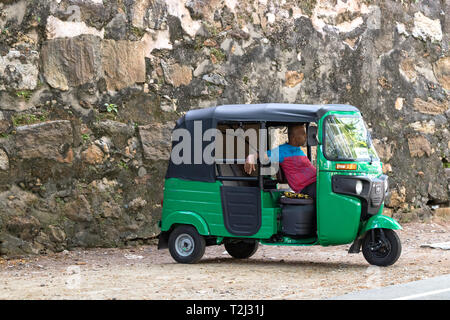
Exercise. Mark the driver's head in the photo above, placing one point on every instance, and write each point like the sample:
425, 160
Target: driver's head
297, 135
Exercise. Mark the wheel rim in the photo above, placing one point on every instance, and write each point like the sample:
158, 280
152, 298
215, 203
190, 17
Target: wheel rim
184, 245
380, 249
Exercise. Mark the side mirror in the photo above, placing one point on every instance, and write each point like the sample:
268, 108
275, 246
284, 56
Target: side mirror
312, 136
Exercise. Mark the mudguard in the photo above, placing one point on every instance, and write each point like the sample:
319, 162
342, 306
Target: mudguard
185, 217
376, 221
379, 221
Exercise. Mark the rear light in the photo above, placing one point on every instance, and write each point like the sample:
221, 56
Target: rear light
162, 200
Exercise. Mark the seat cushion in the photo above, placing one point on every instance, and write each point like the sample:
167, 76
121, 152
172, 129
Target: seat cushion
285, 200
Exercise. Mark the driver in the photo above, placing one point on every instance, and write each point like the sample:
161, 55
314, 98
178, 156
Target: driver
299, 171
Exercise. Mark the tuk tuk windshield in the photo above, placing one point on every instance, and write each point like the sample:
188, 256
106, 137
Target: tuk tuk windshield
347, 138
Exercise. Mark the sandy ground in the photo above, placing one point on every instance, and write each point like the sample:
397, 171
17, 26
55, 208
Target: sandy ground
272, 273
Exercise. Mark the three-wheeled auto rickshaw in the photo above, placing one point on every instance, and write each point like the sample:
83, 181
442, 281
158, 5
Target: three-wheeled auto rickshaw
210, 200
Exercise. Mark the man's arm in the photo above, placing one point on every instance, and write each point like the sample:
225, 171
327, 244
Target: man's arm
250, 162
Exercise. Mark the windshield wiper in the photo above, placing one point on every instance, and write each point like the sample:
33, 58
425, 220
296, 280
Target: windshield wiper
369, 144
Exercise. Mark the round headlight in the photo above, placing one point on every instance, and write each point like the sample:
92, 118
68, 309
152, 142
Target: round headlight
358, 187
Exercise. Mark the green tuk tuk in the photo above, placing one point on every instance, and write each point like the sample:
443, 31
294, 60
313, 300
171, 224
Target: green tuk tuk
210, 200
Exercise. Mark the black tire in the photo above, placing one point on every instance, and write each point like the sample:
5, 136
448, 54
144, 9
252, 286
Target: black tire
186, 245
241, 249
379, 252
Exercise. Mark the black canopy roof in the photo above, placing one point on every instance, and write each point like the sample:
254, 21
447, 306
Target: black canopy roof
209, 117
271, 112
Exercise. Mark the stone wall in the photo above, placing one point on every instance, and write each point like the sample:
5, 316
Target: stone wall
89, 90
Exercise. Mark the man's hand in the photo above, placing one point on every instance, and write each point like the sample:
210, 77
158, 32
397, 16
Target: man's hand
250, 162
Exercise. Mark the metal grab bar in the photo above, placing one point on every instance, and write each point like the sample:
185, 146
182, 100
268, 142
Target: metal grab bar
230, 178
230, 161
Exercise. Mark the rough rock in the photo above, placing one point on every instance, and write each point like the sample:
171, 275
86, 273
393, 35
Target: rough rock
11, 246
92, 155
202, 9
24, 227
138, 13
105, 144
67, 29
203, 67
56, 234
156, 16
399, 103
397, 197
441, 70
384, 150
123, 63
430, 106
168, 104
132, 148
104, 185
19, 71
46, 140
84, 59
426, 28
70, 62
428, 127
15, 11
149, 14
386, 168
341, 16
407, 70
110, 210
78, 210
118, 132
12, 102
419, 146
175, 74
156, 40
4, 160
293, 78
215, 78
177, 9
156, 140
116, 29
137, 204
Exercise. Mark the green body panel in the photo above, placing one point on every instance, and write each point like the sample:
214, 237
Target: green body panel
185, 217
199, 203
379, 221
338, 216
287, 241
188, 202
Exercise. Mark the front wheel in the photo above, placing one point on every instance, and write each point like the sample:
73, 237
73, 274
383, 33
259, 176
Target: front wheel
241, 249
381, 247
186, 245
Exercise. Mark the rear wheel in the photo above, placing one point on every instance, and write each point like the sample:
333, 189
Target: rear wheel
241, 249
381, 247
186, 245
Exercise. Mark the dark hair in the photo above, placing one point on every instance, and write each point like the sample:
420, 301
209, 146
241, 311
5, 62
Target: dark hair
292, 126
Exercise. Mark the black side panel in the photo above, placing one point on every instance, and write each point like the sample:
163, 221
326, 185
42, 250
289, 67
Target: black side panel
192, 170
241, 209
299, 220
